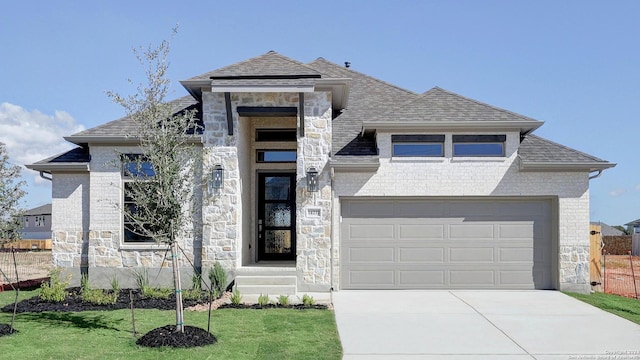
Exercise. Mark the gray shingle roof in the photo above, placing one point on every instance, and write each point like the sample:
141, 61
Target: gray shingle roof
608, 230
368, 98
439, 105
76, 155
536, 149
271, 64
125, 125
40, 210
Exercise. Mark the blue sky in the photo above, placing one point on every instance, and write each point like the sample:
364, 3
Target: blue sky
573, 64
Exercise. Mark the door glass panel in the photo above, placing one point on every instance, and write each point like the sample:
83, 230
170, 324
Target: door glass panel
277, 241
276, 188
277, 214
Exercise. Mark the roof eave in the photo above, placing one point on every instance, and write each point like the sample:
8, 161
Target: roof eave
339, 88
354, 166
564, 166
60, 167
523, 126
261, 88
117, 139
194, 87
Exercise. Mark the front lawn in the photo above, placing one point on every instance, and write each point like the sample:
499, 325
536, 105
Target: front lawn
624, 307
241, 333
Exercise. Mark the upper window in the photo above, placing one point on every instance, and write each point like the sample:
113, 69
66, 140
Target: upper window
276, 135
418, 145
136, 165
39, 221
479, 145
26, 221
276, 156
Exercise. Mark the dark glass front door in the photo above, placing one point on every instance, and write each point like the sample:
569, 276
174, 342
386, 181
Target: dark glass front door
276, 216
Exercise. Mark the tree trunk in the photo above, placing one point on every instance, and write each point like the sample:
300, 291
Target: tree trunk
178, 286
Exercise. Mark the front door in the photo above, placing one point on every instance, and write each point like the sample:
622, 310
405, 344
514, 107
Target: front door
276, 216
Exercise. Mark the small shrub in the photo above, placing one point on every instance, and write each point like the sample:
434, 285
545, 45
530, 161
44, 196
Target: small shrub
218, 279
192, 294
141, 278
115, 285
196, 281
308, 300
263, 300
99, 297
283, 300
55, 290
84, 282
156, 293
236, 297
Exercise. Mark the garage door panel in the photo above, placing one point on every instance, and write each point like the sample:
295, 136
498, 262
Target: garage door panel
437, 245
471, 231
421, 231
371, 232
411, 278
421, 255
371, 254
471, 255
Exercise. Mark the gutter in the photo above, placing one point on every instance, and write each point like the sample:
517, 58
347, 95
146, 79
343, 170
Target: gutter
596, 175
44, 177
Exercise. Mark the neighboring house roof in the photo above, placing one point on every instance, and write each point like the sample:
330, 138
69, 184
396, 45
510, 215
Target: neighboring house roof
633, 223
40, 210
607, 230
372, 104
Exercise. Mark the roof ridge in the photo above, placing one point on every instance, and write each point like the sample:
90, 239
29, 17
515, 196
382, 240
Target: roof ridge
566, 147
479, 103
342, 68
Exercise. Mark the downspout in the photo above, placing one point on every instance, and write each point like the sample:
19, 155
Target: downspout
44, 177
332, 232
596, 175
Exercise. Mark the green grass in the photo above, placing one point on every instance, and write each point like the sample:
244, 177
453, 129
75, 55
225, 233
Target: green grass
624, 307
241, 333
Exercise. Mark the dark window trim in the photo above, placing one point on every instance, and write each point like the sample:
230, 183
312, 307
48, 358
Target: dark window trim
267, 111
417, 138
259, 160
276, 135
479, 138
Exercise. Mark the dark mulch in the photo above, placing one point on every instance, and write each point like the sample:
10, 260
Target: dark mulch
166, 336
73, 302
273, 306
6, 330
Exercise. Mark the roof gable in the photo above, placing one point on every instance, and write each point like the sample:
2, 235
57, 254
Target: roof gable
269, 64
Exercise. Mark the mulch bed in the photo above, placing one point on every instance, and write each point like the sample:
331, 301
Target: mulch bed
166, 336
6, 330
73, 302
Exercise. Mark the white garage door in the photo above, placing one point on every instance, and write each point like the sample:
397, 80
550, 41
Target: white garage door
446, 244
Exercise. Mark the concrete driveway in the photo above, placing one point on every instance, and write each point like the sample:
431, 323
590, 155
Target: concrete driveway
479, 325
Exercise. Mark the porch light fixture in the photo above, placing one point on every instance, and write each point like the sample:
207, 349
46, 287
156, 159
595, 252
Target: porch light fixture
217, 178
312, 180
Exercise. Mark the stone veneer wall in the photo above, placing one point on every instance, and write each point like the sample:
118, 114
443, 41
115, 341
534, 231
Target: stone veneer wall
461, 177
223, 235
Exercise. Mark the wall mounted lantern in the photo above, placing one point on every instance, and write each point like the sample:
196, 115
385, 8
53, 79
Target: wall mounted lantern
217, 178
312, 180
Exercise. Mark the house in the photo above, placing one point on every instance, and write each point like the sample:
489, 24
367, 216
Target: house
331, 179
36, 223
608, 230
633, 227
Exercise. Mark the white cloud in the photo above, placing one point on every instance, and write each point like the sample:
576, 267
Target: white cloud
31, 136
638, 187
617, 192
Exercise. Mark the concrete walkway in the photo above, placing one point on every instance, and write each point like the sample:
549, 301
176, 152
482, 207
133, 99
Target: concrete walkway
479, 325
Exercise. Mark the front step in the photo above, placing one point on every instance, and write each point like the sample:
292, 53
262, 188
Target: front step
257, 280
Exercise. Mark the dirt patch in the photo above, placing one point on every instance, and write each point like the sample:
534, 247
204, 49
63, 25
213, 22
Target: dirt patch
167, 336
619, 278
6, 330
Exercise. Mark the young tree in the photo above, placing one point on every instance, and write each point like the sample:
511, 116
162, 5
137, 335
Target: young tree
163, 177
10, 194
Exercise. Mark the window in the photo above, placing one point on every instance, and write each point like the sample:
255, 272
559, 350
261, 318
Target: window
276, 156
276, 135
418, 145
39, 221
479, 145
136, 166
26, 222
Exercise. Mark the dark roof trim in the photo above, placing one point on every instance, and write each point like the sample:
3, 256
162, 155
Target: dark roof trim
274, 111
523, 126
59, 167
265, 77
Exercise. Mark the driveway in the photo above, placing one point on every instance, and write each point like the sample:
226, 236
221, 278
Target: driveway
479, 325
